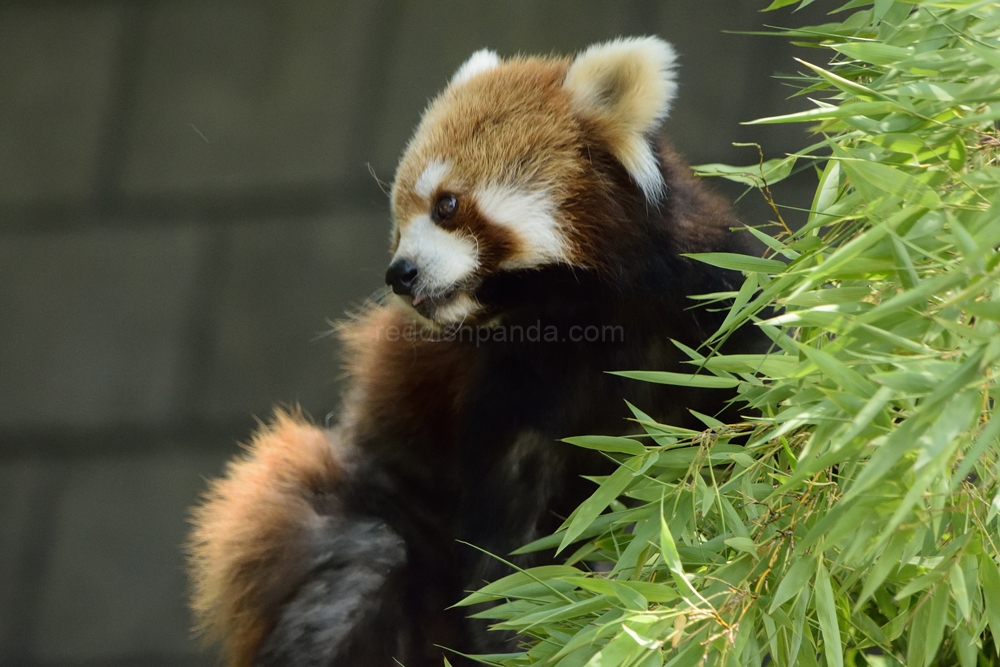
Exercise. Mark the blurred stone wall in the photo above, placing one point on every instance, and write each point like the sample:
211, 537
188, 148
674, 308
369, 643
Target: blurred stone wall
188, 197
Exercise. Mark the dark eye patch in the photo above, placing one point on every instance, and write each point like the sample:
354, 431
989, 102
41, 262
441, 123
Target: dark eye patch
444, 208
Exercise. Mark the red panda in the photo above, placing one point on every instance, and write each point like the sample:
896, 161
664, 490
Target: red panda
539, 239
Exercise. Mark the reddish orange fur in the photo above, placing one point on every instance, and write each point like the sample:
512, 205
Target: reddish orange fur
248, 543
411, 385
249, 547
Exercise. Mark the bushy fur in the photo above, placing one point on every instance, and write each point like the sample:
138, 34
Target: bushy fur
342, 546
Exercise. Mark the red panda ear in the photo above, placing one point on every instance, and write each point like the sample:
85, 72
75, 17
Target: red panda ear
626, 87
482, 60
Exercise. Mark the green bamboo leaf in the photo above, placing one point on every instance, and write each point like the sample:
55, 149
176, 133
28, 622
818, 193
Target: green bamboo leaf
629, 597
853, 110
772, 365
960, 590
937, 616
989, 437
747, 290
929, 90
744, 460
682, 458
768, 172
828, 297
668, 548
498, 588
606, 443
659, 432
599, 525
888, 561
737, 262
966, 647
570, 610
771, 242
900, 142
744, 544
989, 310
650, 591
778, 4
827, 613
846, 85
794, 580
799, 627
828, 190
921, 583
645, 534
591, 508
991, 55
916, 646
692, 653
957, 153
680, 379
907, 436
620, 651
840, 373
874, 52
908, 382
989, 579
878, 180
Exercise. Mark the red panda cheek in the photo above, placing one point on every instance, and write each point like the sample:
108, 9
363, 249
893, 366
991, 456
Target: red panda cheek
496, 245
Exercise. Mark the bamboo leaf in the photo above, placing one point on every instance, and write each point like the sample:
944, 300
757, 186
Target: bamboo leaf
827, 613
794, 580
606, 443
591, 508
990, 580
725, 260
680, 379
768, 172
937, 616
668, 548
744, 544
874, 52
857, 109
878, 180
499, 587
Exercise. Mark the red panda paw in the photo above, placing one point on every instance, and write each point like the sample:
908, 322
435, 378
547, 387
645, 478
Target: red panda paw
253, 535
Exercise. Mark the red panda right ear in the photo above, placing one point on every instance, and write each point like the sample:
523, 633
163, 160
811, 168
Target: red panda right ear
482, 60
625, 87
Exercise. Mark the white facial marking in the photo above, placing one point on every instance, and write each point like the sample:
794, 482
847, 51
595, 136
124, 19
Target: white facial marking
530, 215
443, 258
430, 178
481, 61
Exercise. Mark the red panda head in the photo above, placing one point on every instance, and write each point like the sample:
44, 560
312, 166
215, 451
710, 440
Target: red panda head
502, 165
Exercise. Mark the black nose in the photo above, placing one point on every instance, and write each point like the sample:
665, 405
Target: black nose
400, 276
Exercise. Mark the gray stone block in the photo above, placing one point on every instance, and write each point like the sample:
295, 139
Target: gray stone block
57, 65
94, 325
713, 81
115, 585
244, 95
436, 37
727, 79
22, 485
281, 286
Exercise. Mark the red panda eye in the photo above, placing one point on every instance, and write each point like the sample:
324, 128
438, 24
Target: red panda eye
444, 208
